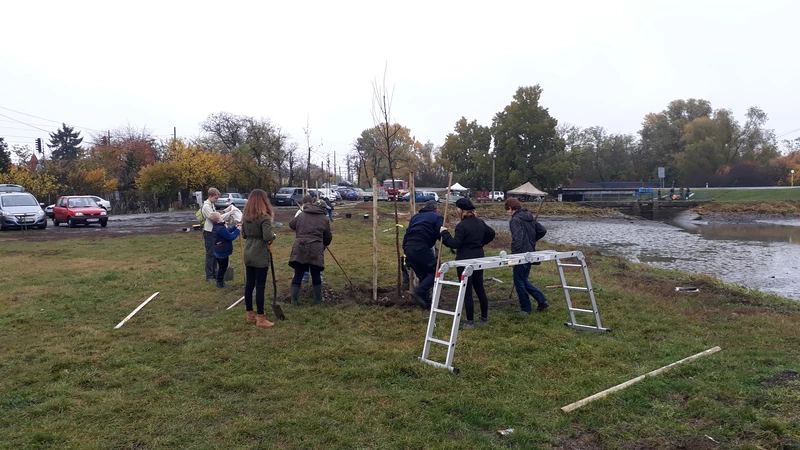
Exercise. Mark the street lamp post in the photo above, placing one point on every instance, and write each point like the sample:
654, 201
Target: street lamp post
792, 177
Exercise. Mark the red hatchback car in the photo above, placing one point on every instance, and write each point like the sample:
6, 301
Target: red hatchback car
78, 209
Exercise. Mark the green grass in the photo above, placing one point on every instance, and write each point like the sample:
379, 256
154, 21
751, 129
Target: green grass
186, 373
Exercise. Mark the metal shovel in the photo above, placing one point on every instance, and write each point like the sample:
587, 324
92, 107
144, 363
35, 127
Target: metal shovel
276, 308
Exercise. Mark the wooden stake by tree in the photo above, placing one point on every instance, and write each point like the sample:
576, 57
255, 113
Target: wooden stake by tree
374, 239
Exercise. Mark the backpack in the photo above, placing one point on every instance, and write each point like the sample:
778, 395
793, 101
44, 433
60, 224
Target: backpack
200, 217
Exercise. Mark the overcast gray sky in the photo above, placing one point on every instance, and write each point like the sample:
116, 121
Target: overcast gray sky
99, 65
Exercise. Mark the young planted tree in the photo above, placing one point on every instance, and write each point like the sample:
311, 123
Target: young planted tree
381, 116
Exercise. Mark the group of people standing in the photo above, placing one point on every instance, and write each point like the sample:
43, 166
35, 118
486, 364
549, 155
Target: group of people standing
313, 236
471, 235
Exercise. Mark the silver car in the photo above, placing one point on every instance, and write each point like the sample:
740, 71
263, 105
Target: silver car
21, 210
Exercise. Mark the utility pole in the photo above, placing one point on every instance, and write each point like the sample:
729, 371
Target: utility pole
494, 157
329, 171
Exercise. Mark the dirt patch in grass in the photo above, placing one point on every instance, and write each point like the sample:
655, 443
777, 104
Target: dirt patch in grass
684, 443
583, 441
387, 296
784, 377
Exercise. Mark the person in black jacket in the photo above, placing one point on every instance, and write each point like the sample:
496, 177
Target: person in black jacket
422, 234
472, 234
525, 231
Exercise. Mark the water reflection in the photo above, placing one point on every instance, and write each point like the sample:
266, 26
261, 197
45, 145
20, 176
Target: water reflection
764, 255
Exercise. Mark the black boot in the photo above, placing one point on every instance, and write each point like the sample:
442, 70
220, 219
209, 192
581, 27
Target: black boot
317, 294
295, 293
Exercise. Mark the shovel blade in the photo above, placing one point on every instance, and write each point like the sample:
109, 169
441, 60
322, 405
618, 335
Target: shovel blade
276, 309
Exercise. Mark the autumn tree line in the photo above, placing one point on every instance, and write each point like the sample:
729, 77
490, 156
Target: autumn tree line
695, 143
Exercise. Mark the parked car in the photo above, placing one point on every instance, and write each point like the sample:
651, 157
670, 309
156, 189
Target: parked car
48, 211
362, 194
454, 197
230, 198
348, 194
419, 197
291, 196
21, 209
497, 196
78, 210
330, 193
432, 194
105, 204
11, 188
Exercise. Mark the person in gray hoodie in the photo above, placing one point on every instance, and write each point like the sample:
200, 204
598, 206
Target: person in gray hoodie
525, 231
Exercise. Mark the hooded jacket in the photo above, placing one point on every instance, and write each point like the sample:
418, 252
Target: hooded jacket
222, 238
313, 234
423, 228
258, 235
525, 232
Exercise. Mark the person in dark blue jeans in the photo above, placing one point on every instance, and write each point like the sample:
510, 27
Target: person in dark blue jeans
222, 239
525, 231
422, 234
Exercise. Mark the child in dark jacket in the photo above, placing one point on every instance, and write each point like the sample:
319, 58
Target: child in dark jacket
222, 239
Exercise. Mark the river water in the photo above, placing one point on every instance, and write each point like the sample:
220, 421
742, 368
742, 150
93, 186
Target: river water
759, 254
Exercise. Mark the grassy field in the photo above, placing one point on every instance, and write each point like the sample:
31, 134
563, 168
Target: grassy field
186, 373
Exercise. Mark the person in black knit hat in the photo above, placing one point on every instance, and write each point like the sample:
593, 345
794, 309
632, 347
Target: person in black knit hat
471, 235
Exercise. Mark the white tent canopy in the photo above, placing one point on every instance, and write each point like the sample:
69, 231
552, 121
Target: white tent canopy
458, 187
526, 189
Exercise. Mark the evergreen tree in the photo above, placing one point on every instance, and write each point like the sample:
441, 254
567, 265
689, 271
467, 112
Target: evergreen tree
5, 156
65, 143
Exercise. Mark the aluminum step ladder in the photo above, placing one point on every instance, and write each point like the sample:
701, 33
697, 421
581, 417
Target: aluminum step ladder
561, 264
492, 262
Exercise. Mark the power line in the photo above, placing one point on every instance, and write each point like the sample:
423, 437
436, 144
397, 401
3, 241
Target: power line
42, 118
32, 126
787, 133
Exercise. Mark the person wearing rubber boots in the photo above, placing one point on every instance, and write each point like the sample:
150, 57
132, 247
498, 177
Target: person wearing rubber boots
312, 235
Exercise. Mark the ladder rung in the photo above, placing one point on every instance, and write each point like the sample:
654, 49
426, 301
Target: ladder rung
588, 311
569, 265
453, 283
439, 341
576, 288
585, 327
444, 311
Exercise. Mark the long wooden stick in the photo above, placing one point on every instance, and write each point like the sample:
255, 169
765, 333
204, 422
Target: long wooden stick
619, 387
446, 205
135, 311
340, 266
235, 303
